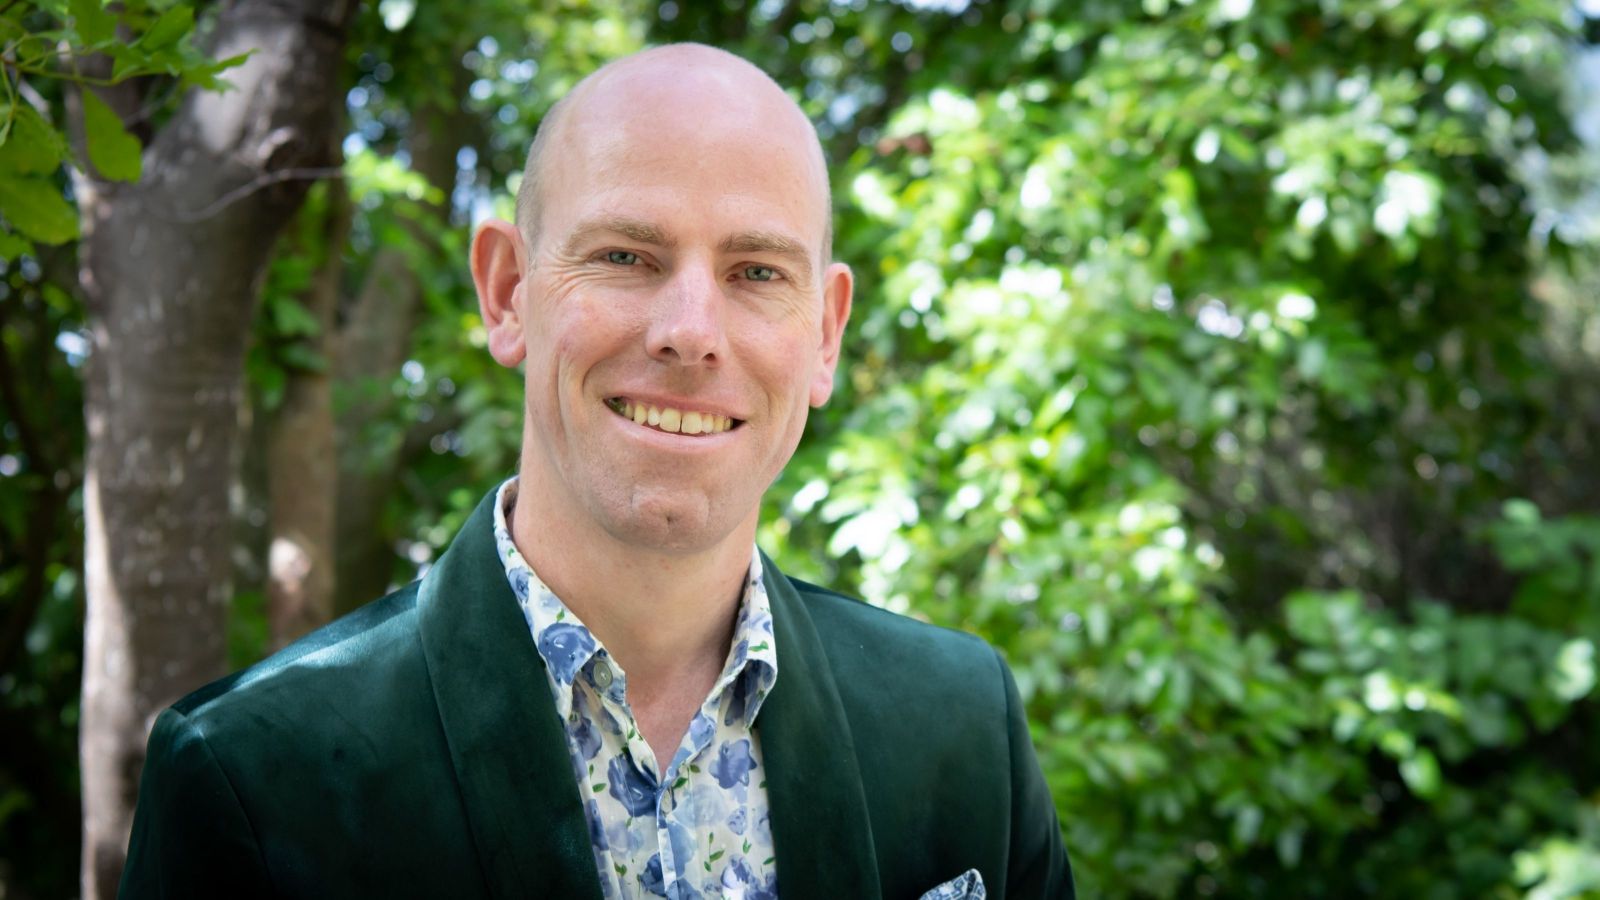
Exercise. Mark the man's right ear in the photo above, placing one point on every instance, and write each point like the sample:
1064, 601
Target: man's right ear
499, 261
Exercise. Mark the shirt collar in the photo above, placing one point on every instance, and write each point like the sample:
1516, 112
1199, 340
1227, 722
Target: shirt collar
570, 651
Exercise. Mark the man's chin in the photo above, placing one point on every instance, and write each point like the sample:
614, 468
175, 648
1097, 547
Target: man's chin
677, 522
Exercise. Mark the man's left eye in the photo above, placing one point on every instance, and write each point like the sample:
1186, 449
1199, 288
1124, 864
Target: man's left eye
622, 257
760, 273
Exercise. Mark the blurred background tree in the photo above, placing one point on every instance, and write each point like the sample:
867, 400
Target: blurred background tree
1233, 365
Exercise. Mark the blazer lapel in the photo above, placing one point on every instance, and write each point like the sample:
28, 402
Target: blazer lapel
506, 742
820, 828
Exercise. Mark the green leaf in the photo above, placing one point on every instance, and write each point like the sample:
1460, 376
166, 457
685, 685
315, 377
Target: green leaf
396, 14
1574, 674
1289, 842
30, 146
13, 246
205, 77
290, 318
1239, 146
1421, 773
1521, 512
114, 152
57, 8
299, 356
168, 30
1247, 825
126, 62
35, 207
95, 25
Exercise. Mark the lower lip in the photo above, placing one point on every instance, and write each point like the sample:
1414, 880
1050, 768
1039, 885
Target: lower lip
671, 440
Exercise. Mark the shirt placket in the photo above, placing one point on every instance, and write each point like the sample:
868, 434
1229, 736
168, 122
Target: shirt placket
713, 709
680, 773
609, 685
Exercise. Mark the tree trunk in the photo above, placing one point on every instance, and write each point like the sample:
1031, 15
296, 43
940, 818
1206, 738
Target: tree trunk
373, 343
302, 468
170, 268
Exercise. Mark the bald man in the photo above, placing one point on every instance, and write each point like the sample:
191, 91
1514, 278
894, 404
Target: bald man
603, 689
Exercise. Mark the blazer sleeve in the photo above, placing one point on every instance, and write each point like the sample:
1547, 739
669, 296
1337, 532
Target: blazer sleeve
191, 836
1038, 862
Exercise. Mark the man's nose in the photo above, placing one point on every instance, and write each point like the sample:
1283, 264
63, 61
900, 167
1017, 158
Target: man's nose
687, 328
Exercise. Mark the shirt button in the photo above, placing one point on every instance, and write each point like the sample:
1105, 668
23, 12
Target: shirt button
602, 677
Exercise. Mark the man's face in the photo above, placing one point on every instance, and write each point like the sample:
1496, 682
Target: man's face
678, 318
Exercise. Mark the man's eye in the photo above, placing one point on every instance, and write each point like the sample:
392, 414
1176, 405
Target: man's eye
760, 273
622, 257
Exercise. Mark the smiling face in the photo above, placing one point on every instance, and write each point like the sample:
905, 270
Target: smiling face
676, 315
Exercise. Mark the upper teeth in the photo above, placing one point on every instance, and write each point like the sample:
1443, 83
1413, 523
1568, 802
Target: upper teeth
673, 420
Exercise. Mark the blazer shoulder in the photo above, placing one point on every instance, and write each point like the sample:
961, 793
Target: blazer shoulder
838, 615
885, 655
346, 650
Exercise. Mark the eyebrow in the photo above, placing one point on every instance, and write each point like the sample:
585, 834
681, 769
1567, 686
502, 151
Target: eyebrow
771, 242
645, 232
632, 229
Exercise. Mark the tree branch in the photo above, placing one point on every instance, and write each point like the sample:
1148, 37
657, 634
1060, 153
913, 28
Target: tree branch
260, 182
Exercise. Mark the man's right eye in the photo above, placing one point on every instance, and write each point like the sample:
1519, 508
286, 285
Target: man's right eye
621, 257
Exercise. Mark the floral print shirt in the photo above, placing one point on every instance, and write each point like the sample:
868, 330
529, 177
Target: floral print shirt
697, 828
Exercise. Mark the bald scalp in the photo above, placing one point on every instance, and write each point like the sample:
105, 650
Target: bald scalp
661, 64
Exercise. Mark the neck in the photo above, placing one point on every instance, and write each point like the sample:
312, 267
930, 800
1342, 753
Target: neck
666, 617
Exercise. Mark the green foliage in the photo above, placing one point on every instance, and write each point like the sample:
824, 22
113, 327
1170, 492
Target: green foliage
41, 535
286, 332
112, 150
36, 207
1194, 358
1190, 358
57, 41
249, 635
1213, 358
1564, 866
1559, 562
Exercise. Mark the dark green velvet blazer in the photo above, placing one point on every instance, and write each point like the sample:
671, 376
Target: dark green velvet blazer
412, 749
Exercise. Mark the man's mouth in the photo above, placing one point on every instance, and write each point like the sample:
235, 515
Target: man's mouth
671, 420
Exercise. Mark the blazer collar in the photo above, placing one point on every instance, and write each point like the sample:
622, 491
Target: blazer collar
506, 741
510, 753
820, 828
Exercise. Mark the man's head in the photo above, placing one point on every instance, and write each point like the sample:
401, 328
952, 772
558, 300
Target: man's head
672, 255
529, 194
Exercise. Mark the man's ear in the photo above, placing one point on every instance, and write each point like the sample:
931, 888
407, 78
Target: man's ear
837, 287
499, 261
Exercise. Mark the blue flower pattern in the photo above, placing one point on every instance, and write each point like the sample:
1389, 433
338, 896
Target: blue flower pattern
630, 787
733, 765
565, 646
740, 880
700, 828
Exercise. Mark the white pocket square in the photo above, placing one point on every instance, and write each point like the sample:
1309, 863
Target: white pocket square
966, 886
